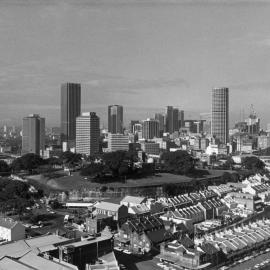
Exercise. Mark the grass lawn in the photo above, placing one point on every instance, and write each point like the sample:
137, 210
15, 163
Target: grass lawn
77, 182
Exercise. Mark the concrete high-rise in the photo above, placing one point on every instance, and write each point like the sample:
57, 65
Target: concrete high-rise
220, 114
115, 119
70, 109
150, 129
33, 134
87, 134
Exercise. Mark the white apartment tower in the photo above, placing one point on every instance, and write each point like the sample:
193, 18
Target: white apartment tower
87, 134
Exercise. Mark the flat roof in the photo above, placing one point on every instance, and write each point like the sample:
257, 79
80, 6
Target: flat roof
88, 242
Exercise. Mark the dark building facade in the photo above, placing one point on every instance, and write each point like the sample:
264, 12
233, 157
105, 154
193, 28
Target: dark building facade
33, 134
220, 114
150, 129
172, 119
70, 109
115, 119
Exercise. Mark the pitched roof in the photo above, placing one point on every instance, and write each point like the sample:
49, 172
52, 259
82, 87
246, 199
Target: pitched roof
8, 263
158, 236
42, 263
133, 199
209, 248
8, 223
108, 206
186, 242
21, 247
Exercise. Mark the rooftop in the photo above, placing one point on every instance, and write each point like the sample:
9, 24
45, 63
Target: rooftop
133, 199
108, 206
8, 223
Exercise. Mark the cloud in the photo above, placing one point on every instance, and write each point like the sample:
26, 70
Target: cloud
133, 86
251, 86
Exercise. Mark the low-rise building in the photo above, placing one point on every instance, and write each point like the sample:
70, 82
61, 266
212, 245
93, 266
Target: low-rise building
117, 211
142, 234
11, 230
248, 201
130, 201
176, 254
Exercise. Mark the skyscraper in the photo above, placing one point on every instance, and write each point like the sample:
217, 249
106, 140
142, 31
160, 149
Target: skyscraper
181, 118
150, 129
161, 118
172, 116
220, 114
33, 134
87, 133
70, 109
115, 119
175, 119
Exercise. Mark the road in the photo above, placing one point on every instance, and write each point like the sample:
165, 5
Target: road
251, 263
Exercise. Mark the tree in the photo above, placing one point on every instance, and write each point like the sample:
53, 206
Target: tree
4, 168
93, 169
27, 162
253, 164
114, 160
229, 163
70, 158
178, 162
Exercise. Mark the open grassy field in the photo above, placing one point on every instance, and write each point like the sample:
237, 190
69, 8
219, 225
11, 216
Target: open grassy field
77, 182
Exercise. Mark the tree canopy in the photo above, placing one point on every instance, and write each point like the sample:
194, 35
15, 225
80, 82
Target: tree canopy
253, 164
178, 162
70, 158
16, 195
119, 165
4, 168
27, 162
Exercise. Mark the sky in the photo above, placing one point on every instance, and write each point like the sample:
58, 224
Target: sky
142, 54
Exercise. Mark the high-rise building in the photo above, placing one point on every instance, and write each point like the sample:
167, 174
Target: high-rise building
115, 119
161, 118
132, 124
172, 119
87, 134
181, 118
169, 119
117, 142
150, 129
253, 123
33, 134
220, 114
70, 109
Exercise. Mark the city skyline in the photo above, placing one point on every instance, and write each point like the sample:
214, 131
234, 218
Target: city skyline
154, 60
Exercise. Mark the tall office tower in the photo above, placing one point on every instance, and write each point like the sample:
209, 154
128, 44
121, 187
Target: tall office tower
70, 109
172, 116
169, 119
181, 118
220, 114
87, 134
175, 120
33, 134
150, 129
161, 118
115, 119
